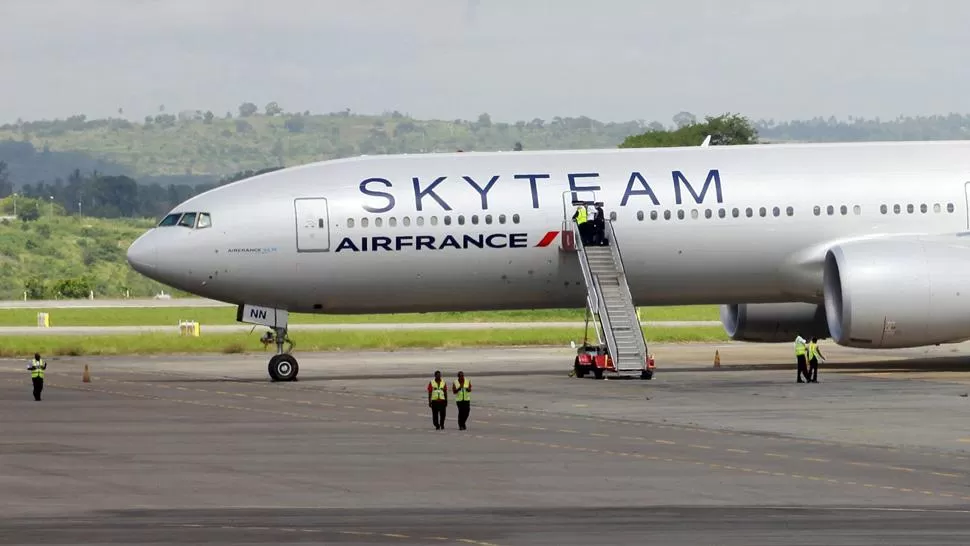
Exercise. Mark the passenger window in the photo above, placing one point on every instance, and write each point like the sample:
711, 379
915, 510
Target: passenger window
693, 214
790, 211
776, 211
488, 218
883, 209
350, 222
817, 210
708, 213
501, 218
363, 222
434, 220
666, 215
749, 212
392, 221
830, 210
204, 220
515, 218
680, 214
461, 219
735, 213
763, 212
922, 208
896, 209
475, 219
721, 213
406, 220
419, 220
857, 210
844, 210
949, 207
640, 215
378, 222
170, 220
936, 207
909, 208
188, 220
447, 220
653, 215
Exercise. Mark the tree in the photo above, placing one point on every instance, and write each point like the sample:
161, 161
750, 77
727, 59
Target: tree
683, 119
208, 117
273, 109
247, 109
295, 125
726, 129
29, 211
6, 186
73, 288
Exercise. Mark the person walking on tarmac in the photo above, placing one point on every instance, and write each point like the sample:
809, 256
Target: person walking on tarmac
813, 356
463, 399
438, 400
36, 369
800, 350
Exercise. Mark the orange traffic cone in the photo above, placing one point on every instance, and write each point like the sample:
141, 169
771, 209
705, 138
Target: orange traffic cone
717, 359
87, 375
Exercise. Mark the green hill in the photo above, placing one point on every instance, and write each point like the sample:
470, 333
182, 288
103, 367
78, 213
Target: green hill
66, 256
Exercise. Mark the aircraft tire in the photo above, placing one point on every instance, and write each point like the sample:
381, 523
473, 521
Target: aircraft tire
283, 368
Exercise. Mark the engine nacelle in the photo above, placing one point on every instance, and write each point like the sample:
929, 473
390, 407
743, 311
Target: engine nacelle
898, 292
773, 322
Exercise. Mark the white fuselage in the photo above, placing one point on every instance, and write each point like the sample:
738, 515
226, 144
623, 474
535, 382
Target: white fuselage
675, 251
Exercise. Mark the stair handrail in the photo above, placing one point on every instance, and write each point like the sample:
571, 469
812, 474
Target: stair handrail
618, 259
593, 294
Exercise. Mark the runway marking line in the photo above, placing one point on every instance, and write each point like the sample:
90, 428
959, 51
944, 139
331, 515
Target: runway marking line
315, 417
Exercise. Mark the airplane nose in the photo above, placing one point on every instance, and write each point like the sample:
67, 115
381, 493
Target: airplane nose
142, 254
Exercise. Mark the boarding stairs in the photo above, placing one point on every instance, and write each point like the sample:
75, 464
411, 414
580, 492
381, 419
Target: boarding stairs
609, 302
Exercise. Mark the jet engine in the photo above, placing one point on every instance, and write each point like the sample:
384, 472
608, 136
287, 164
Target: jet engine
773, 322
898, 292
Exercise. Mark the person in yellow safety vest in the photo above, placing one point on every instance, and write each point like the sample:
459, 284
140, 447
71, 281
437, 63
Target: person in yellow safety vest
36, 369
462, 390
813, 355
582, 220
438, 400
800, 356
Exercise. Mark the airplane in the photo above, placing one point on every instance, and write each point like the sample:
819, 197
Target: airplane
863, 243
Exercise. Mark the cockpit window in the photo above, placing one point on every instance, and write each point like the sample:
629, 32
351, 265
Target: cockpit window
170, 220
204, 220
188, 220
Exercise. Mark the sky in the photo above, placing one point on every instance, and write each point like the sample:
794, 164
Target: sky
612, 60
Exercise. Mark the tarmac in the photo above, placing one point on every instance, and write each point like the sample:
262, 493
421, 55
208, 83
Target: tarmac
194, 449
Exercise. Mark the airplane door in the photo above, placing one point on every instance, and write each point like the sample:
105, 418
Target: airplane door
312, 224
568, 197
966, 190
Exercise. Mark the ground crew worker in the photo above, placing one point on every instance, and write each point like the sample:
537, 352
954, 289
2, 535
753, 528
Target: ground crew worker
800, 351
463, 399
581, 218
36, 369
599, 226
813, 355
438, 400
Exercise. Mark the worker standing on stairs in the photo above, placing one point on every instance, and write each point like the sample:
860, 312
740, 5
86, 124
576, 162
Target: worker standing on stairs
581, 219
599, 226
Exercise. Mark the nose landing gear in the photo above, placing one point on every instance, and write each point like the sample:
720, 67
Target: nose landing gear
283, 366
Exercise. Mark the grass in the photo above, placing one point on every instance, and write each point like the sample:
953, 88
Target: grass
227, 315
157, 343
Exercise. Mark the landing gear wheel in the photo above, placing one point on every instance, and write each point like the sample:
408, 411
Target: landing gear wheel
283, 368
